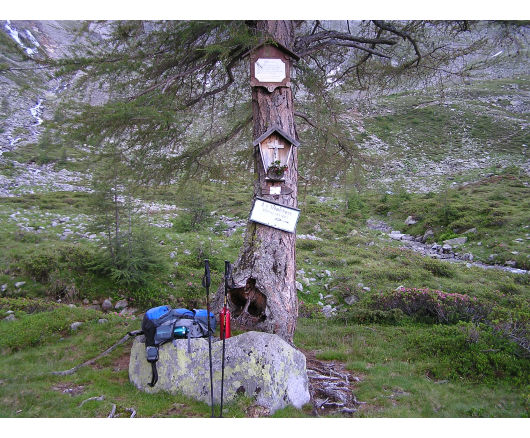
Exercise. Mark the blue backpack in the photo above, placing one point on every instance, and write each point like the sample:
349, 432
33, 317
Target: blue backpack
163, 324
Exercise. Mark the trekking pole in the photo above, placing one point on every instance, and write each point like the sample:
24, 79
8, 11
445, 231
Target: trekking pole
225, 328
206, 284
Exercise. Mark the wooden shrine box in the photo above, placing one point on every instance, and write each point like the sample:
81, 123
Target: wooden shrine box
270, 66
275, 145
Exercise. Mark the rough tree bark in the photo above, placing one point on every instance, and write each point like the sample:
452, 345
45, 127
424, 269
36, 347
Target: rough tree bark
264, 297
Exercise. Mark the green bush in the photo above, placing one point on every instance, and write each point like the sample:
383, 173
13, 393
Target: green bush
134, 264
440, 269
37, 328
40, 266
370, 316
432, 305
471, 351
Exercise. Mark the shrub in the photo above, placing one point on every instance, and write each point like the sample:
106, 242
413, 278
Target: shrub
470, 351
369, 316
308, 310
432, 305
40, 266
440, 269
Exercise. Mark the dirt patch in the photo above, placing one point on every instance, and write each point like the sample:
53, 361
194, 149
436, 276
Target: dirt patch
179, 410
69, 388
331, 387
122, 362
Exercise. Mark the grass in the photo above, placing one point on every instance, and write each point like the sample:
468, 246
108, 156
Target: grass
397, 376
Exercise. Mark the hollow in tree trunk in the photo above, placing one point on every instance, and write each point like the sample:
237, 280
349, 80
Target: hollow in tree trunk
264, 297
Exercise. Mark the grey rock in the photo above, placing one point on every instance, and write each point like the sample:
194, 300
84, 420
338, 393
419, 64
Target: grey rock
510, 262
299, 286
19, 284
396, 235
9, 312
471, 231
456, 241
75, 325
410, 221
328, 311
4, 287
10, 318
351, 299
107, 305
102, 321
427, 235
366, 289
259, 365
122, 304
407, 237
492, 257
446, 248
467, 256
327, 273
72, 306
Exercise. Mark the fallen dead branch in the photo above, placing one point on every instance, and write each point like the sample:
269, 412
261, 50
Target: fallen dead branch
105, 353
100, 398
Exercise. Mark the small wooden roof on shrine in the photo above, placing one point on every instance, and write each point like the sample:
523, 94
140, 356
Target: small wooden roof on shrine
278, 130
276, 44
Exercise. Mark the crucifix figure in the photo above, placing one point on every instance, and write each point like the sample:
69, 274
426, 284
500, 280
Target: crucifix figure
275, 145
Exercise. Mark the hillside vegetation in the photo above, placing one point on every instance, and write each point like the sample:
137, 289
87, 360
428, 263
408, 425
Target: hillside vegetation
426, 336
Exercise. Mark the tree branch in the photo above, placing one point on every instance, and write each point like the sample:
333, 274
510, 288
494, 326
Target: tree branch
105, 353
402, 34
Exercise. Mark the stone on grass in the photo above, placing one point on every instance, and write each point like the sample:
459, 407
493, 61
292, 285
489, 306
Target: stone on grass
456, 241
20, 284
122, 304
259, 365
351, 299
428, 234
410, 221
107, 305
102, 321
10, 317
75, 325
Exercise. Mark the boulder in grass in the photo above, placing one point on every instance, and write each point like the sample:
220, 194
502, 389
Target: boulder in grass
456, 241
259, 365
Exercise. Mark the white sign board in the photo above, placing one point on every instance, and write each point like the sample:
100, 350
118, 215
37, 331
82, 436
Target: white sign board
275, 215
269, 70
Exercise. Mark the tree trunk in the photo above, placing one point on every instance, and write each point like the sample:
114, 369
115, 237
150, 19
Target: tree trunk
265, 297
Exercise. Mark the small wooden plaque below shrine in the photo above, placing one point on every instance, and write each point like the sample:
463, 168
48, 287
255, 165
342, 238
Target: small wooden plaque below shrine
276, 190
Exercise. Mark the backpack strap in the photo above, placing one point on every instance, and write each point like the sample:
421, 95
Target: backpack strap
154, 379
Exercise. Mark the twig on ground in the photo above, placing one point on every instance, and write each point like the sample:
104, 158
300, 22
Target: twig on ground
113, 411
100, 398
132, 411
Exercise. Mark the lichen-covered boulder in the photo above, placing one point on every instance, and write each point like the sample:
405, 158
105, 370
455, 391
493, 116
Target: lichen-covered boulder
259, 365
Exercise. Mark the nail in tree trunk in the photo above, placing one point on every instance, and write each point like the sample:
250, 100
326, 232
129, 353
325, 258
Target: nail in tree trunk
265, 297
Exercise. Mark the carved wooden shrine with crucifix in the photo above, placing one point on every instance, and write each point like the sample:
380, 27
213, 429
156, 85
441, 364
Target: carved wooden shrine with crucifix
275, 147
